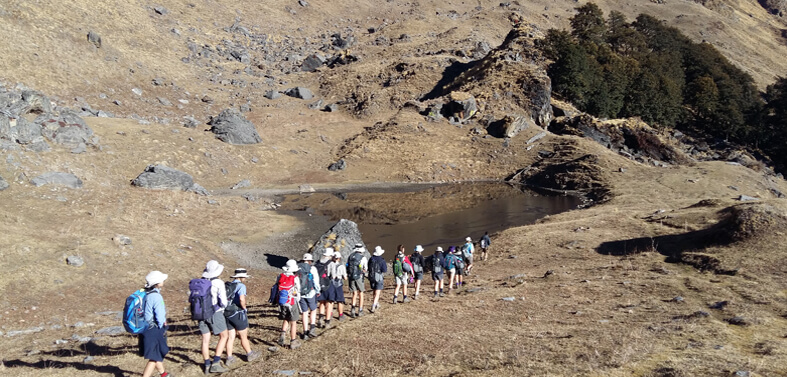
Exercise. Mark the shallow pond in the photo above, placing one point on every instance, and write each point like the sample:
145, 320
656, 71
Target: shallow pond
431, 216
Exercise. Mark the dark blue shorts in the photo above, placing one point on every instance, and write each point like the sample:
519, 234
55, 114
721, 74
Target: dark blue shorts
238, 321
153, 344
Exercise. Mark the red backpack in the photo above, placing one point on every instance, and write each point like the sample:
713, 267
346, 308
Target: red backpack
286, 290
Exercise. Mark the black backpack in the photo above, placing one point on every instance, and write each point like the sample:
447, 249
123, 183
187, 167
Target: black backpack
373, 268
232, 290
305, 275
322, 270
353, 268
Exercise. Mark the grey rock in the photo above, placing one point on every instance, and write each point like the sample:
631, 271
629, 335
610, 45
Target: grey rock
81, 148
35, 102
121, 240
746, 198
272, 94
76, 261
742, 373
104, 114
164, 101
299, 92
537, 137
159, 177
160, 10
3, 184
26, 132
332, 108
733, 188
137, 91
67, 129
312, 63
737, 321
677, 299
39, 146
245, 108
273, 349
461, 106
112, 330
88, 359
338, 165
242, 184
342, 237
190, 122
315, 105
303, 3
57, 178
94, 38
513, 125
232, 127
61, 341
304, 189
719, 305
31, 330
284, 372
509, 299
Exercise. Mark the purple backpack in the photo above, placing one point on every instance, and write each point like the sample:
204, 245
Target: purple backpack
201, 303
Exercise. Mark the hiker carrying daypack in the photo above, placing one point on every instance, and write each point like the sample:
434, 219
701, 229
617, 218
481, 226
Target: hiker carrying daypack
232, 290
286, 290
134, 312
200, 300
398, 266
375, 271
322, 271
450, 261
354, 266
306, 278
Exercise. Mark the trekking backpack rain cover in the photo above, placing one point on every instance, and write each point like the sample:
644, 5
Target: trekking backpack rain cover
201, 303
134, 313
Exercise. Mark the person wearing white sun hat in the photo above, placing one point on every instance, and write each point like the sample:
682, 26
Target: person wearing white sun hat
467, 252
337, 272
377, 268
417, 259
288, 297
153, 341
216, 324
322, 270
310, 289
357, 267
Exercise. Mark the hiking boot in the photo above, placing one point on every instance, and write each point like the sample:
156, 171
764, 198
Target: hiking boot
295, 344
328, 323
251, 356
360, 312
305, 336
394, 300
230, 361
282, 339
415, 297
341, 318
352, 312
218, 368
313, 331
207, 369
442, 294
406, 299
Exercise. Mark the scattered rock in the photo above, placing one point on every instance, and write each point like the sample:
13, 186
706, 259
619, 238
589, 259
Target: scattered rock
160, 177
549, 273
31, 330
242, 184
88, 359
475, 289
207, 99
57, 178
160, 10
342, 237
75, 261
742, 373
677, 299
338, 165
719, 305
737, 321
137, 91
312, 63
3, 184
112, 330
746, 198
304, 189
332, 108
94, 38
232, 127
733, 188
285, 372
315, 105
61, 341
273, 349
509, 299
81, 148
121, 240
164, 101
190, 122
541, 135
299, 92
273, 94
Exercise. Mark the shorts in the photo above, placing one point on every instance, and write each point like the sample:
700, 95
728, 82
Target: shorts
216, 324
376, 285
335, 291
419, 276
153, 343
307, 304
437, 276
238, 321
484, 249
469, 260
402, 279
357, 285
289, 313
460, 271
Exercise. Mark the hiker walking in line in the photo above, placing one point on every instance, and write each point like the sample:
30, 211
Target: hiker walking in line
450, 267
216, 323
377, 268
484, 242
337, 273
287, 296
357, 267
437, 263
467, 253
237, 317
461, 267
418, 269
322, 270
153, 340
310, 289
402, 269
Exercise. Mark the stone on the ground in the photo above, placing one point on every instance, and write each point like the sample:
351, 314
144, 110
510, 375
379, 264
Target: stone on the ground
26, 132
94, 38
332, 108
312, 63
88, 359
160, 177
232, 127
67, 129
3, 184
305, 189
160, 10
31, 330
112, 330
746, 198
342, 237
74, 260
57, 178
190, 122
81, 148
242, 184
284, 372
537, 137
462, 106
338, 165
299, 92
509, 299
122, 240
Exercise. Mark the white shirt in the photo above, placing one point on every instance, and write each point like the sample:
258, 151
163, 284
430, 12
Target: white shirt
337, 270
315, 280
218, 294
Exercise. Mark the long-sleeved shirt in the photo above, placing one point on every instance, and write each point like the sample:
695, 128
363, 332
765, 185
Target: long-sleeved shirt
155, 311
218, 294
364, 264
417, 260
337, 271
315, 281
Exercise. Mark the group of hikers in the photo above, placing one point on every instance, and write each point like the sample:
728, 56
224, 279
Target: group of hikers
309, 290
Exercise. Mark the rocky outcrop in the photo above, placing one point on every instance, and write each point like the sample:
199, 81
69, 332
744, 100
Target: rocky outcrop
232, 127
159, 177
342, 237
3, 184
57, 178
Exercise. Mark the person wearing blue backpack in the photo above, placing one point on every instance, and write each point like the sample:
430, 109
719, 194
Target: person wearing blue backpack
467, 253
153, 340
310, 289
450, 267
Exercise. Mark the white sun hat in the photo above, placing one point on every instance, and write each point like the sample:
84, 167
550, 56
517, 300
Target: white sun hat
328, 252
307, 257
212, 270
439, 248
240, 273
155, 277
468, 239
378, 251
419, 248
291, 266
359, 247
337, 255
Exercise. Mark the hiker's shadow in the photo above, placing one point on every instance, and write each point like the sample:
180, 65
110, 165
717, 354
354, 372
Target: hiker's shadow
274, 260
54, 364
91, 349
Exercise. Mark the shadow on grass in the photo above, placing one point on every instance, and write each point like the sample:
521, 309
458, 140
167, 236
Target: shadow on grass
54, 364
276, 261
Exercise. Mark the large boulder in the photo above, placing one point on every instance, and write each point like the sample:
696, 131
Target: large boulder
159, 177
25, 132
67, 129
232, 127
57, 178
342, 237
16, 104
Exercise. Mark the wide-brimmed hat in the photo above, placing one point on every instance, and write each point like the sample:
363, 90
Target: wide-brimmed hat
240, 273
419, 248
439, 248
155, 277
307, 258
212, 270
328, 252
378, 251
468, 239
359, 248
337, 255
291, 266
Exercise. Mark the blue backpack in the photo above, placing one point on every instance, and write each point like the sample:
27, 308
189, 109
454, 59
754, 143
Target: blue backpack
450, 262
199, 299
134, 312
